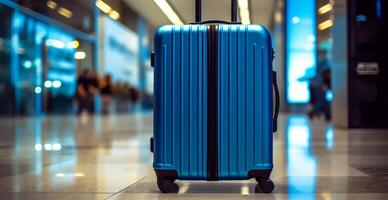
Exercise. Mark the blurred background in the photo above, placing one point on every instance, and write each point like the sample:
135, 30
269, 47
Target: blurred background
62, 57
57, 56
76, 94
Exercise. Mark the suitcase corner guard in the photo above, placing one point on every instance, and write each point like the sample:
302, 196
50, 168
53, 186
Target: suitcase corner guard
166, 174
152, 144
261, 173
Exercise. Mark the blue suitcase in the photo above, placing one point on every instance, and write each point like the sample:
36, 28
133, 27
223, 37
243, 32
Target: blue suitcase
213, 117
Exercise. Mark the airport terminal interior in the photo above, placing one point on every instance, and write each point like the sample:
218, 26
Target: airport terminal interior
80, 100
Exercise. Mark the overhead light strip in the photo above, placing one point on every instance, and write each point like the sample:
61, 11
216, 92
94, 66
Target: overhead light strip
326, 8
244, 11
168, 11
107, 9
114, 15
103, 6
65, 12
52, 5
325, 25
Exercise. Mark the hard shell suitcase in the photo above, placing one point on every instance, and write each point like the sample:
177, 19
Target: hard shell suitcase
213, 117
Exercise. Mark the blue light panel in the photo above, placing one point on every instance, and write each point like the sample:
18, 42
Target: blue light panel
300, 49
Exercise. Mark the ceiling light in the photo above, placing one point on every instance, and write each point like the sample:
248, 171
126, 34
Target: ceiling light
65, 12
57, 84
295, 20
103, 6
47, 147
324, 9
56, 146
52, 4
244, 11
168, 11
38, 90
48, 84
38, 147
27, 64
79, 55
114, 15
55, 43
326, 24
74, 44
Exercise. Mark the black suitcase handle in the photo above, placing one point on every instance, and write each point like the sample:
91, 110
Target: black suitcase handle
277, 102
215, 21
198, 13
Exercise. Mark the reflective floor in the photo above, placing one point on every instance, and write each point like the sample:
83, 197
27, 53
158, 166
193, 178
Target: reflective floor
67, 157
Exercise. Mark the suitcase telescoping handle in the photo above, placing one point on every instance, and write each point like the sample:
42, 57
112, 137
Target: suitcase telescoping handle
277, 102
198, 13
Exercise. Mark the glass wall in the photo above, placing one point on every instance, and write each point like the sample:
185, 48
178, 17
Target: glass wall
38, 66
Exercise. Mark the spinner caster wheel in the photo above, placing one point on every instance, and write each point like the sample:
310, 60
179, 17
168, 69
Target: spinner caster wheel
167, 186
265, 185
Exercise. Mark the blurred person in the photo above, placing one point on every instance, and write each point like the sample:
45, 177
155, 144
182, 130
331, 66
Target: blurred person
147, 101
326, 76
120, 94
133, 97
93, 86
82, 91
319, 87
106, 91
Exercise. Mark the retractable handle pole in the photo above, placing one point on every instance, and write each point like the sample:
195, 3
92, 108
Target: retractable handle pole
233, 11
198, 11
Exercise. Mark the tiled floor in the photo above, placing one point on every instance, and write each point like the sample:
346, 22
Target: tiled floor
108, 157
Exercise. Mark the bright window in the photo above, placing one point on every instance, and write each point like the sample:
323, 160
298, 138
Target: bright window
301, 49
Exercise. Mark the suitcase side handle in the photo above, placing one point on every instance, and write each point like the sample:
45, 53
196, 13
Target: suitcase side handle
277, 102
198, 11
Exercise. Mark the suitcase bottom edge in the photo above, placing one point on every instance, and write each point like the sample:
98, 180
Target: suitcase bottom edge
172, 174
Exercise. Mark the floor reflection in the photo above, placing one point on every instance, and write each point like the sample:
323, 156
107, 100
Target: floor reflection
92, 157
329, 136
301, 162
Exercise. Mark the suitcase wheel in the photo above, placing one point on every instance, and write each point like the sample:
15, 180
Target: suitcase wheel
264, 185
167, 185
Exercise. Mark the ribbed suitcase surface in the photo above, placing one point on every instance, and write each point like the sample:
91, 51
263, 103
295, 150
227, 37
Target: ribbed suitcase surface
180, 118
244, 100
